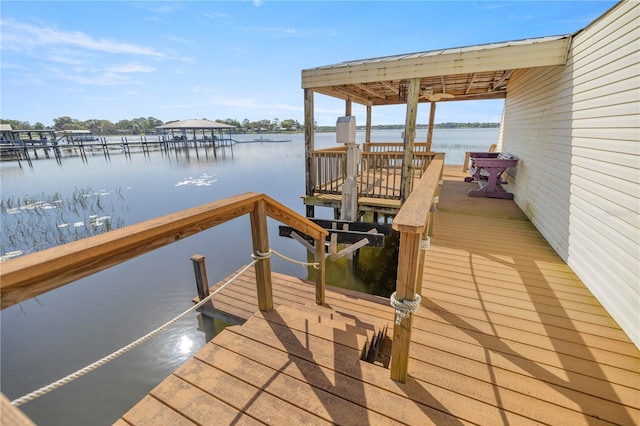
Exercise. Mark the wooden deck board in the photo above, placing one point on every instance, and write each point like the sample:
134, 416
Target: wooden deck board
198, 404
244, 394
506, 334
150, 411
594, 336
301, 393
335, 378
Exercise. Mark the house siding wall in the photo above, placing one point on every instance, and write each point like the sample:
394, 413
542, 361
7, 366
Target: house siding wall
576, 131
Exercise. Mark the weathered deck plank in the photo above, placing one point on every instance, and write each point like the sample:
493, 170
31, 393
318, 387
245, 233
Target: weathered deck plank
506, 334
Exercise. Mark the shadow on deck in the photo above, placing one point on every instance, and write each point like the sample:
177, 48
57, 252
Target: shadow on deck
507, 334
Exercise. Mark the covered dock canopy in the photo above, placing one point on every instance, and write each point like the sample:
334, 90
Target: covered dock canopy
461, 73
453, 74
206, 128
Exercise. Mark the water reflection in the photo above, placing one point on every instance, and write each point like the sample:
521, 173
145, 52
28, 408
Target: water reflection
203, 180
210, 326
372, 270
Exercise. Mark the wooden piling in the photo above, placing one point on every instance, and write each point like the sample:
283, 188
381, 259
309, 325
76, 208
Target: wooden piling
202, 283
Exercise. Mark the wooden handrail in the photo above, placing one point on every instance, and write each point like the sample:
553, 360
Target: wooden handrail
25, 277
392, 146
338, 148
412, 222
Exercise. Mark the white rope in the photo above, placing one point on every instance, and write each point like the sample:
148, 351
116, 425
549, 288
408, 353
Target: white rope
55, 385
259, 256
405, 307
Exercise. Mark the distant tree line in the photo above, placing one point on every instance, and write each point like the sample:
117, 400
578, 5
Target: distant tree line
142, 125
137, 126
474, 125
448, 125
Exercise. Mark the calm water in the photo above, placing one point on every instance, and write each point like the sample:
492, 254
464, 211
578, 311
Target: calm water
45, 339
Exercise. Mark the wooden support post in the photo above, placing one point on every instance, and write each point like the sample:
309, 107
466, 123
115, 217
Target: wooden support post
308, 147
320, 273
347, 108
405, 289
367, 134
202, 283
409, 138
260, 238
432, 116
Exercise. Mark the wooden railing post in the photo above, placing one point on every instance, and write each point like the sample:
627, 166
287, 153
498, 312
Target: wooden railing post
320, 273
414, 223
202, 283
405, 290
260, 238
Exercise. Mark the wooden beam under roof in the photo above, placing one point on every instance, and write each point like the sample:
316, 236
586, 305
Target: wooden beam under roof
371, 92
390, 87
353, 96
473, 76
505, 76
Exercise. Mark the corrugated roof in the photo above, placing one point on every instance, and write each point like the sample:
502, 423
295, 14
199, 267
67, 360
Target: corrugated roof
470, 72
195, 124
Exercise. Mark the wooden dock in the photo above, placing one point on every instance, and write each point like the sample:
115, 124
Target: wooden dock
506, 334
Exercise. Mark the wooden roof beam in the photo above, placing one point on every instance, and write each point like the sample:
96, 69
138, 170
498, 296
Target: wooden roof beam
390, 87
470, 84
369, 91
352, 96
505, 75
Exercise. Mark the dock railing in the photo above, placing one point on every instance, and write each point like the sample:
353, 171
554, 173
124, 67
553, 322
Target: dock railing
29, 276
329, 170
379, 173
414, 222
392, 146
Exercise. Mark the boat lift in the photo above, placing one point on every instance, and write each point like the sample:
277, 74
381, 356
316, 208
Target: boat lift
347, 230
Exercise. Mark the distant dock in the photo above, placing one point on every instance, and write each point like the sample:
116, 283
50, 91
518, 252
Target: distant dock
28, 151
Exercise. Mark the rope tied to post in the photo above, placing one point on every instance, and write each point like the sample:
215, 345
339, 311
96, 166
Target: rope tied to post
258, 255
405, 307
71, 377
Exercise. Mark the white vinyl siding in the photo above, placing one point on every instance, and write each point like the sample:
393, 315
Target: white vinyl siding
576, 131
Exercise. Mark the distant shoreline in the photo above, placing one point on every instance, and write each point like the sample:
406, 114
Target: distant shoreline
418, 126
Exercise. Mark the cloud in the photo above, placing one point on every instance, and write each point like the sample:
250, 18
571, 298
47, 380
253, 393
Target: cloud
6, 66
18, 36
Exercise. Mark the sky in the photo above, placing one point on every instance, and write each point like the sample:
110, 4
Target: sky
176, 60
